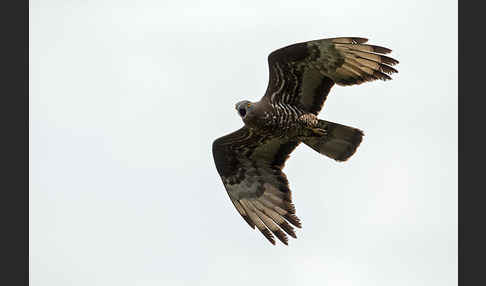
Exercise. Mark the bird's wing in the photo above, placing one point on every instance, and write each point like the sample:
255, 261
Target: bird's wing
302, 74
250, 167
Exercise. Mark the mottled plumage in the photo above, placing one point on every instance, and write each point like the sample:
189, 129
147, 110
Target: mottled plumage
250, 160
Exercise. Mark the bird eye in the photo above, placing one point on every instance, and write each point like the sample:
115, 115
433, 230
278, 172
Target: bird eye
248, 105
242, 112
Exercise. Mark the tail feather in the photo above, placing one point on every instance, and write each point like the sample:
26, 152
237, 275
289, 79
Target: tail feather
339, 143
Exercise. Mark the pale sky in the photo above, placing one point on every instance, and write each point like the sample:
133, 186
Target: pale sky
126, 98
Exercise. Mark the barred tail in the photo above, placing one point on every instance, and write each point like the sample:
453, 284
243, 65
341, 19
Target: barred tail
339, 143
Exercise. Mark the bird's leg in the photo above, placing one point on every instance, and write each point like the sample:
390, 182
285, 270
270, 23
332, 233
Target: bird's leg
311, 125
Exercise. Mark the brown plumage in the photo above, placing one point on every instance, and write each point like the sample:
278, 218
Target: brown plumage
250, 160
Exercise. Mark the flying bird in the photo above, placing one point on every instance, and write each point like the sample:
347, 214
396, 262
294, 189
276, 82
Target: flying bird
250, 160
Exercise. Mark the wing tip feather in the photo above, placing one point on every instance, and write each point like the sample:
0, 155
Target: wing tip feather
293, 219
268, 235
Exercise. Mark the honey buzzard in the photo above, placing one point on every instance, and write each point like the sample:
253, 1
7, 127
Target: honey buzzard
250, 160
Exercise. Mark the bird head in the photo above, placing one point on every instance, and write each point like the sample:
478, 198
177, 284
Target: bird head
244, 107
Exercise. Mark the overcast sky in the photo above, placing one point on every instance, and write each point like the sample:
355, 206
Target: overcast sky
126, 98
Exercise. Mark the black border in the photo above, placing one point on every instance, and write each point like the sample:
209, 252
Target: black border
15, 133
460, 150
471, 119
460, 144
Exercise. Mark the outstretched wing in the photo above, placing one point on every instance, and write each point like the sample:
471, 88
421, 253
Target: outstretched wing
250, 167
302, 74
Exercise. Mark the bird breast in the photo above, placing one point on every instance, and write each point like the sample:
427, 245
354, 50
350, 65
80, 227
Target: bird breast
276, 119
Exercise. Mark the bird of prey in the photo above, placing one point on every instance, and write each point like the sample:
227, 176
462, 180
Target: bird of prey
250, 160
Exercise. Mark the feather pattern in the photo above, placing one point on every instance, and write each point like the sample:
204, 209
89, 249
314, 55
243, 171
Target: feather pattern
302, 74
250, 166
